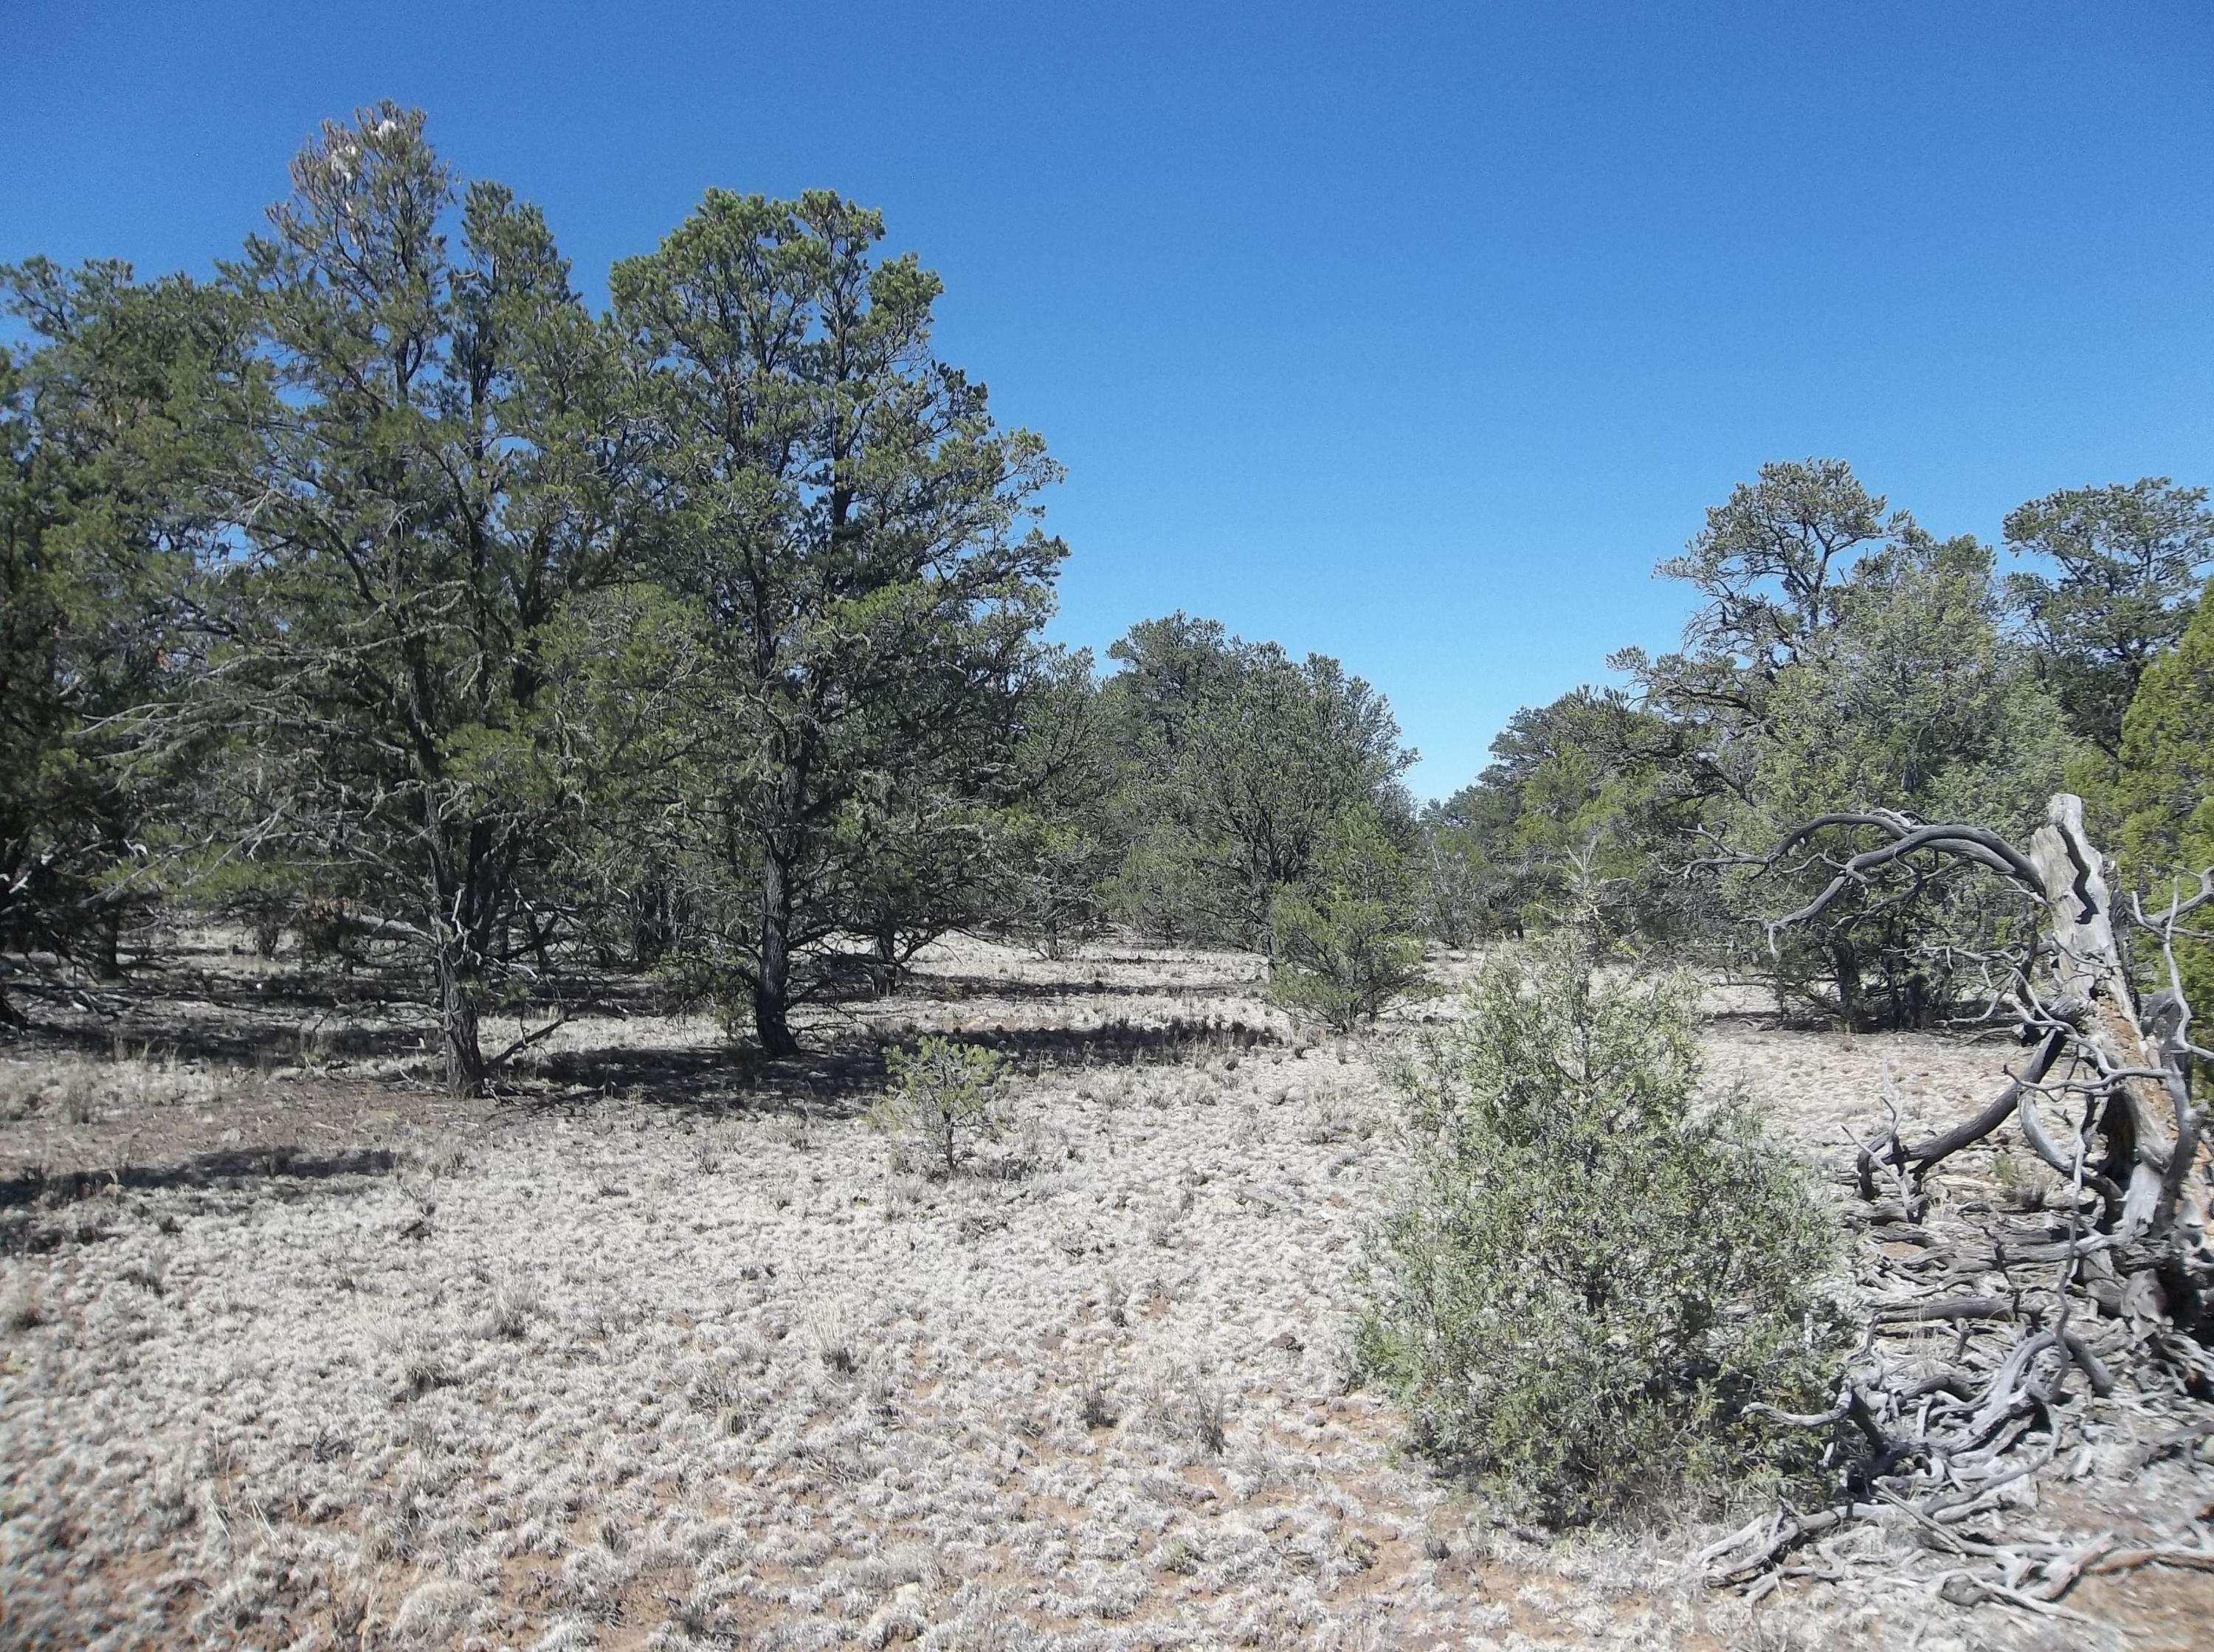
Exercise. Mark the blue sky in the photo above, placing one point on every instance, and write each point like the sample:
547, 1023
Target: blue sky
1414, 335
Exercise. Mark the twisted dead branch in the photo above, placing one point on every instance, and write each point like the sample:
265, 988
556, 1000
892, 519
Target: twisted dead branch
1986, 1340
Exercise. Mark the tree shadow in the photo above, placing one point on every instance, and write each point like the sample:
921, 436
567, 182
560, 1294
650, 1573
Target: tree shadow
1123, 1043
223, 1020
227, 1167
235, 1045
839, 1079
956, 989
836, 1080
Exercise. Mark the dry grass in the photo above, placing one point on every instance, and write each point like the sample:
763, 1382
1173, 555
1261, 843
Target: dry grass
688, 1366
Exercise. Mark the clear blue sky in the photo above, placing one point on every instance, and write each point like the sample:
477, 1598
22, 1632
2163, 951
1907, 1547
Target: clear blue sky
1410, 334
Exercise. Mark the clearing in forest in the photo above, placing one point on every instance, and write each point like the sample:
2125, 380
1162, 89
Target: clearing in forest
657, 1349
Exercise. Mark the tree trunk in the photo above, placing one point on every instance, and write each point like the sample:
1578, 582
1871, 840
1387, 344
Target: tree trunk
540, 952
773, 1010
1845, 971
2151, 1125
107, 943
883, 962
457, 1025
773, 982
649, 924
2127, 1225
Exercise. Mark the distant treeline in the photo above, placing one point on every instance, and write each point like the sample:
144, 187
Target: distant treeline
1846, 660
378, 593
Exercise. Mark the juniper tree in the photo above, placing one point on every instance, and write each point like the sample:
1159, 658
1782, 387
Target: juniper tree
1057, 845
1846, 656
1341, 937
1591, 790
1241, 758
1768, 565
1912, 703
1592, 1274
2127, 560
2165, 791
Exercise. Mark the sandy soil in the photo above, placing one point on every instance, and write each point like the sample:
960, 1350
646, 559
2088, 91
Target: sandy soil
661, 1350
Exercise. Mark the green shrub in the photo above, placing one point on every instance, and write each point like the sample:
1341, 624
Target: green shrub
1342, 949
1593, 1271
943, 1099
2165, 790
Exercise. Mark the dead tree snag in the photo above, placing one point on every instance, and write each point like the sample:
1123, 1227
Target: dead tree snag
2104, 1286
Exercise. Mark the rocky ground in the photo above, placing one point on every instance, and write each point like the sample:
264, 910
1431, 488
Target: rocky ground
658, 1350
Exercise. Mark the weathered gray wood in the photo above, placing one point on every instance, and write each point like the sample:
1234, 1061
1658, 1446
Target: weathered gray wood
2132, 1248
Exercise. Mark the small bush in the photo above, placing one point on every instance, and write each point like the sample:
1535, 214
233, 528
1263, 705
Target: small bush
1205, 1415
944, 1099
1341, 944
515, 1302
1098, 1407
1592, 1273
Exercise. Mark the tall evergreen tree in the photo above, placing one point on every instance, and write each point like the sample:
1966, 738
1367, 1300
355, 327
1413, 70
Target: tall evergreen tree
1241, 761
1767, 566
1058, 843
1846, 660
2127, 560
1585, 795
106, 427
849, 536
2165, 790
1912, 703
438, 467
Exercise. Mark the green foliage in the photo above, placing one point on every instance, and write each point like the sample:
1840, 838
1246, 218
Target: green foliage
1455, 880
2127, 561
1580, 800
1593, 1271
1908, 700
104, 425
1057, 846
1237, 761
849, 536
381, 589
1343, 952
945, 1097
2165, 792
1164, 885
438, 467
1767, 566
1773, 568
1844, 660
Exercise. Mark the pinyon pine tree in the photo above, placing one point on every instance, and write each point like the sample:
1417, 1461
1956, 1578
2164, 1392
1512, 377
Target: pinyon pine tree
849, 538
436, 471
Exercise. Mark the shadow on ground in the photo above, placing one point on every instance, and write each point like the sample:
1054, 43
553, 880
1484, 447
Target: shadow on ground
225, 1168
839, 1080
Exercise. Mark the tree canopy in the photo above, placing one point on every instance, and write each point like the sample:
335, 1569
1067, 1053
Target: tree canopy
2127, 560
381, 591
849, 540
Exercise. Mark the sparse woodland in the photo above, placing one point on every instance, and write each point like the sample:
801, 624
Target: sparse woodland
602, 1044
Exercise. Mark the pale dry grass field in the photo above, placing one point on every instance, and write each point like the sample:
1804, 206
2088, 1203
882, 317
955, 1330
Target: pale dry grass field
658, 1352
